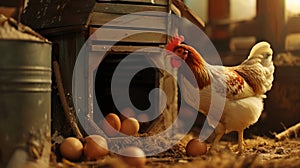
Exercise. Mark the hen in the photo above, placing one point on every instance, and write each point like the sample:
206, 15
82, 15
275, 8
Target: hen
244, 86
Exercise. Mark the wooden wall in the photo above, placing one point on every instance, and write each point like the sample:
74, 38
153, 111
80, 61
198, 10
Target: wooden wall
270, 24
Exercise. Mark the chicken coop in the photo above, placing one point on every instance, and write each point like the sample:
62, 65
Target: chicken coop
98, 42
69, 35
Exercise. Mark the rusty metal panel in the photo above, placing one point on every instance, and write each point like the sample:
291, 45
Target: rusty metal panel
60, 13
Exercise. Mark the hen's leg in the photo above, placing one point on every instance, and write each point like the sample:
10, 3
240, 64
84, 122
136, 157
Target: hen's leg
240, 141
220, 131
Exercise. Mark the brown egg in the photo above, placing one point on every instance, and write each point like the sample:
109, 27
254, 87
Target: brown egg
130, 126
133, 156
126, 113
111, 125
71, 148
196, 147
95, 147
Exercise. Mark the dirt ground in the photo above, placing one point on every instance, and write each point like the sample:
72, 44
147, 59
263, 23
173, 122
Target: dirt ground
259, 152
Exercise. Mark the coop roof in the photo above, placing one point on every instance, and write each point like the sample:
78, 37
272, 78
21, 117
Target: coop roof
187, 13
45, 14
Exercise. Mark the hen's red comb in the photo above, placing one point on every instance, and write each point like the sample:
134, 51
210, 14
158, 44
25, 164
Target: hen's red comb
175, 41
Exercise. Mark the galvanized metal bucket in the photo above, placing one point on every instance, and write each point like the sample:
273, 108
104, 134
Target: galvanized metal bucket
25, 108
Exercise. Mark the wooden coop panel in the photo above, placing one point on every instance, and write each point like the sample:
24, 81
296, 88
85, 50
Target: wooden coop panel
102, 48
150, 22
126, 8
156, 2
146, 29
158, 37
106, 12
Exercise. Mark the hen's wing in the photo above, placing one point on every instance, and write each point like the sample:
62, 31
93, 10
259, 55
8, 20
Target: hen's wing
254, 76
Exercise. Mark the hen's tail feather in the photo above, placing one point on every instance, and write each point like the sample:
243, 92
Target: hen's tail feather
262, 53
261, 48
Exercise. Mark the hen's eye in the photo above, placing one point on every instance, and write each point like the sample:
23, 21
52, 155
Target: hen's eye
180, 51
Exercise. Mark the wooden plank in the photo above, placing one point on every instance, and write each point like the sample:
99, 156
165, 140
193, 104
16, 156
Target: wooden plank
292, 42
244, 28
189, 14
113, 35
133, 21
153, 2
242, 43
293, 25
218, 9
272, 23
126, 8
8, 11
123, 49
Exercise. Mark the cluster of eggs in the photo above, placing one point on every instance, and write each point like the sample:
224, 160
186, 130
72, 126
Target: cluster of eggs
94, 147
112, 125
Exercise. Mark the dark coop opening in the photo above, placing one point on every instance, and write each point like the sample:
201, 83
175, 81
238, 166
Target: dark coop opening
140, 85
